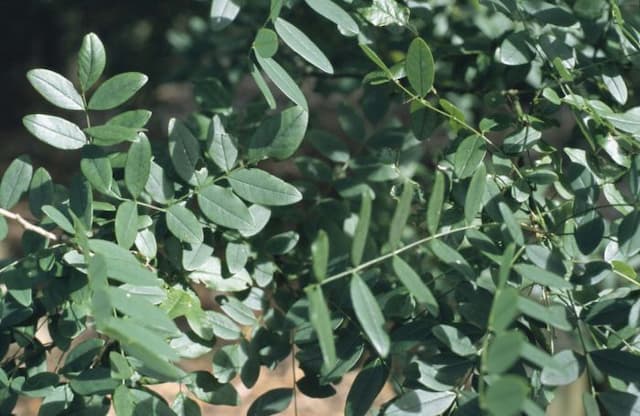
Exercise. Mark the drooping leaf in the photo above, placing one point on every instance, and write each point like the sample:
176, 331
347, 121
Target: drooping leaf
302, 45
15, 181
336, 14
126, 223
283, 81
369, 315
223, 207
117, 90
91, 61
257, 186
184, 225
321, 321
279, 136
266, 43
262, 86
58, 90
138, 166
420, 67
55, 131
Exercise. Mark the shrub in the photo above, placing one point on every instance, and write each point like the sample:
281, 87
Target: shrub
470, 234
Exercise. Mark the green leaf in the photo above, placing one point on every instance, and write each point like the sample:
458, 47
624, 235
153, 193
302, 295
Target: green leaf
159, 186
329, 145
136, 119
184, 224
184, 150
260, 187
56, 89
412, 281
221, 147
55, 131
126, 223
629, 234
223, 12
185, 406
81, 200
435, 204
628, 122
475, 193
401, 214
320, 255
452, 258
365, 388
504, 350
205, 387
469, 156
511, 223
275, 8
82, 355
261, 216
362, 230
453, 338
141, 311
504, 309
589, 402
514, 50
616, 87
506, 396
280, 135
262, 86
619, 364
58, 218
110, 134
623, 269
117, 90
138, 166
91, 61
122, 265
420, 402
272, 402
620, 403
302, 45
283, 81
420, 67
369, 315
40, 191
282, 243
15, 181
94, 381
96, 168
320, 319
541, 276
331, 11
123, 401
237, 311
554, 315
564, 368
223, 207
266, 43
376, 60
385, 13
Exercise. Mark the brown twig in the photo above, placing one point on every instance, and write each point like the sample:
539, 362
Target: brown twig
27, 225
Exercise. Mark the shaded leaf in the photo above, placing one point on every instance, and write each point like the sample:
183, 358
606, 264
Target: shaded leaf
419, 66
369, 315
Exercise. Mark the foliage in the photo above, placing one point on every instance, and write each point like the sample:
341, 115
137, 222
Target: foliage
475, 276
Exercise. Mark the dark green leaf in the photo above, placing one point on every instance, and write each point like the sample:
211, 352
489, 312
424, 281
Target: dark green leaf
629, 234
321, 321
320, 255
365, 388
619, 364
91, 61
279, 136
620, 403
511, 223
96, 168
58, 218
126, 225
138, 166
184, 224
469, 156
453, 338
82, 355
302, 45
260, 187
55, 131
420, 67
554, 315
401, 214
222, 148
329, 145
514, 50
272, 402
58, 90
184, 150
504, 350
362, 230
369, 315
262, 86
475, 193
412, 281
223, 207
15, 181
435, 205
283, 81
451, 257
40, 191
110, 134
420, 402
117, 90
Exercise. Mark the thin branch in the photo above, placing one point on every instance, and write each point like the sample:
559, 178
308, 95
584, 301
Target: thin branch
27, 225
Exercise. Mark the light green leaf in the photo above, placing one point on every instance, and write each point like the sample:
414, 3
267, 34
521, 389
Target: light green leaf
237, 311
40, 191
435, 204
184, 224
266, 43
272, 402
506, 396
564, 368
142, 311
628, 121
401, 214
117, 90
541, 276
91, 61
280, 135
110, 134
369, 315
511, 223
126, 223
58, 90
262, 86
336, 14
185, 406
475, 193
554, 315
504, 350
514, 50
321, 322
362, 230
55, 131
283, 81
302, 45
221, 147
320, 255
385, 13
261, 216
468, 156
453, 338
420, 67
376, 60
122, 265
420, 402
365, 388
412, 281
138, 166
159, 186
223, 12
15, 181
146, 243
623, 269
184, 150
223, 207
96, 167
58, 218
136, 119
452, 258
616, 87
260, 187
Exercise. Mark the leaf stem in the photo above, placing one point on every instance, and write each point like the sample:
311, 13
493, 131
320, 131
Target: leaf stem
27, 225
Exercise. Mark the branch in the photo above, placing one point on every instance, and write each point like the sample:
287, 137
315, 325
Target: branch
27, 225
